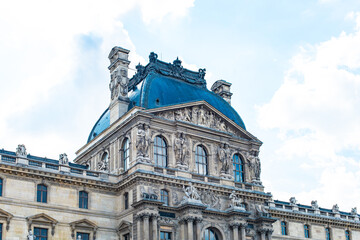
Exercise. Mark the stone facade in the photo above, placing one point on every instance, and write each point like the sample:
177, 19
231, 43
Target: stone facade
188, 170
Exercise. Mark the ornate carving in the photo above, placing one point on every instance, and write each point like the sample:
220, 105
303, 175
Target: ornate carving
314, 205
181, 151
21, 151
210, 199
261, 211
191, 194
63, 159
293, 201
198, 115
119, 84
235, 201
142, 143
103, 164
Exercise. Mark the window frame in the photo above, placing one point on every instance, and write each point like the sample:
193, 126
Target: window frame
83, 200
347, 234
41, 199
82, 233
125, 156
41, 237
307, 231
284, 230
1, 230
160, 151
165, 232
238, 162
164, 197
126, 200
328, 233
201, 166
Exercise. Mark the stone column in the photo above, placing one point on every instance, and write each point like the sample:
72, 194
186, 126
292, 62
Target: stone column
190, 228
235, 228
146, 228
139, 230
243, 231
262, 234
154, 228
182, 234
269, 234
198, 228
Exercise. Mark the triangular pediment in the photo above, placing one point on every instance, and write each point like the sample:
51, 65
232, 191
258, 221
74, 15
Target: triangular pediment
5, 214
42, 218
202, 114
83, 223
124, 225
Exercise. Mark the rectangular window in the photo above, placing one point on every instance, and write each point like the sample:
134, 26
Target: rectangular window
347, 235
283, 228
42, 193
126, 200
41, 233
126, 236
165, 236
83, 199
327, 232
307, 231
1, 187
1, 229
82, 236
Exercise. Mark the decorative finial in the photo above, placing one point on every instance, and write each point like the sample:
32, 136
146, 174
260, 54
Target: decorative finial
177, 62
153, 57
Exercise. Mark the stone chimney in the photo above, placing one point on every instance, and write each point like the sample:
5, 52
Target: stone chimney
119, 82
222, 88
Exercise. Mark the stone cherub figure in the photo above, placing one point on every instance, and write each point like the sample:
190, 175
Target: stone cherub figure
30, 236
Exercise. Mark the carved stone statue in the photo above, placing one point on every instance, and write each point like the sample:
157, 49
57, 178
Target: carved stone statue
235, 201
151, 193
79, 237
21, 151
224, 154
30, 236
103, 164
293, 201
335, 208
261, 210
314, 204
202, 73
142, 141
202, 118
255, 166
354, 211
181, 150
191, 194
63, 159
119, 84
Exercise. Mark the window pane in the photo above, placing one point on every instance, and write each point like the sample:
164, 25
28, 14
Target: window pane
83, 236
201, 160
160, 151
41, 233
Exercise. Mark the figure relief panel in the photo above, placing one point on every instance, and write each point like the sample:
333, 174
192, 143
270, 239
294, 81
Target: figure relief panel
143, 141
253, 162
199, 115
182, 153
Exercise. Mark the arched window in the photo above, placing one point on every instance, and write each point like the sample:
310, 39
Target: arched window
307, 231
83, 199
327, 234
42, 193
347, 235
201, 160
160, 151
283, 228
238, 166
164, 197
1, 187
211, 234
126, 155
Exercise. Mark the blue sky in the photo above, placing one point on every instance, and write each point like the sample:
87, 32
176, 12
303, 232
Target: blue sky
294, 66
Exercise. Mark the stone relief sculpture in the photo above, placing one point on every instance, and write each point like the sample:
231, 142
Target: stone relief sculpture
210, 199
119, 84
63, 159
191, 194
224, 154
198, 115
255, 167
142, 143
21, 151
103, 164
314, 204
181, 151
235, 201
261, 210
150, 193
30, 236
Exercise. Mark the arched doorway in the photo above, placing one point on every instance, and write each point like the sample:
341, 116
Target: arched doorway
211, 234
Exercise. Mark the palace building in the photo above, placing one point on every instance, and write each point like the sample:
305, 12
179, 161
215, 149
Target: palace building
167, 160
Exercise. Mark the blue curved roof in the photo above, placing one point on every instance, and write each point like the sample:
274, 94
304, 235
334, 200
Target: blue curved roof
158, 90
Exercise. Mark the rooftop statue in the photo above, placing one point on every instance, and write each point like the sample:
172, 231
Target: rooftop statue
63, 159
354, 211
293, 201
335, 208
314, 204
21, 151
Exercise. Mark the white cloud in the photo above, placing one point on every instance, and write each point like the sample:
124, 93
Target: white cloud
40, 53
316, 113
